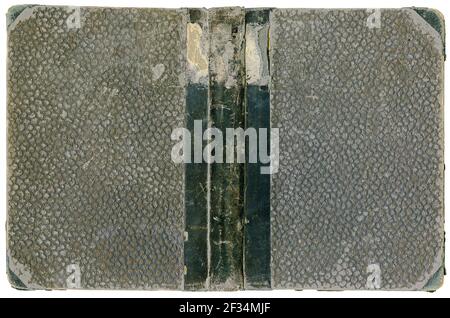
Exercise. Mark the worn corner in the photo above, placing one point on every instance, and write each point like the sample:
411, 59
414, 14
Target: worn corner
19, 276
17, 14
434, 18
14, 280
430, 21
436, 281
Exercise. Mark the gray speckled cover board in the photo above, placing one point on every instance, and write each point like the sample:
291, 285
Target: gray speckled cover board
95, 201
92, 100
359, 192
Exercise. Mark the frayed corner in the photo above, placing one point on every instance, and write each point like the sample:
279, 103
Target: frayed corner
18, 275
18, 13
436, 281
435, 19
15, 281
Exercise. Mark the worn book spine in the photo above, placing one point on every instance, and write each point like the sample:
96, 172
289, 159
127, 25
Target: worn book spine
196, 246
226, 111
257, 185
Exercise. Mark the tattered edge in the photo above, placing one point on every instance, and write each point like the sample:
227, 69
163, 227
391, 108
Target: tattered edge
431, 22
15, 15
436, 20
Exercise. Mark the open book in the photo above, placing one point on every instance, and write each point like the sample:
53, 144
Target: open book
225, 148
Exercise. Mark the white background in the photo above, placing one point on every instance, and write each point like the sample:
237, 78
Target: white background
7, 291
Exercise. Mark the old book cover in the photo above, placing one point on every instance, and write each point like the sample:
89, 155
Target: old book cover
357, 202
94, 200
351, 101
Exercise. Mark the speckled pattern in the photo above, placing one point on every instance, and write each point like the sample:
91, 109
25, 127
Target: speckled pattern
360, 184
95, 201
91, 108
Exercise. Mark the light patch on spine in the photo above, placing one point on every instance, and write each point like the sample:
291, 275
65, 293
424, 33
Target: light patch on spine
223, 65
196, 54
256, 61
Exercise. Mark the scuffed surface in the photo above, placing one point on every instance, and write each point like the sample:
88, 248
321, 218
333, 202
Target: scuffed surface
360, 184
95, 202
197, 53
91, 182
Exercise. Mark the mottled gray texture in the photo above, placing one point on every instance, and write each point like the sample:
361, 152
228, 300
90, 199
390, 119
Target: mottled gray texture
94, 94
361, 149
91, 104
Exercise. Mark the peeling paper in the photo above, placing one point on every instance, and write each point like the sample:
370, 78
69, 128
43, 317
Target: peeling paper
196, 54
256, 62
